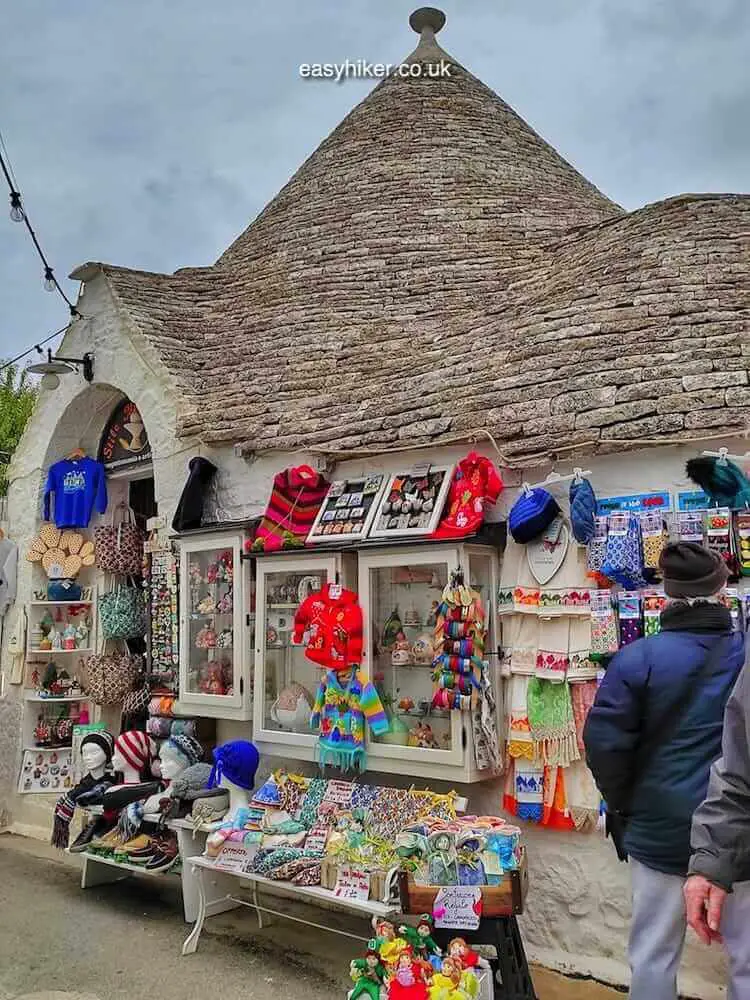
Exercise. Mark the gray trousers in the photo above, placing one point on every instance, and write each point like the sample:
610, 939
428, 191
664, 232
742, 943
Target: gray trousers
657, 935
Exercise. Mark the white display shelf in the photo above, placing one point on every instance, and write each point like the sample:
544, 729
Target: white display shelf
44, 700
48, 749
58, 652
125, 867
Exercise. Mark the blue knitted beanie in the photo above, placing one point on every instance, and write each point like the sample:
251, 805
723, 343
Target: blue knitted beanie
237, 761
582, 510
531, 514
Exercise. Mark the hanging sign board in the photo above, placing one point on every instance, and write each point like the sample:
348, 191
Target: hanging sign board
694, 500
124, 443
635, 502
458, 907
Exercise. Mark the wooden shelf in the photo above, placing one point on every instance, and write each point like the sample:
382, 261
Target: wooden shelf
60, 604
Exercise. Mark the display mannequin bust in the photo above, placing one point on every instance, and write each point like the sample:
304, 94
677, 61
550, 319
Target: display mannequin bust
133, 754
235, 764
176, 755
94, 760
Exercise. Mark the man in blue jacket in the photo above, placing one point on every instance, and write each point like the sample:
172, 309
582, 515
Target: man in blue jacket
651, 737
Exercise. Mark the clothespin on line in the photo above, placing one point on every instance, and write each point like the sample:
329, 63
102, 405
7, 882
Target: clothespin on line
554, 477
723, 454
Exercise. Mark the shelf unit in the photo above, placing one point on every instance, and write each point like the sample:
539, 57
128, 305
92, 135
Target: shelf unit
43, 699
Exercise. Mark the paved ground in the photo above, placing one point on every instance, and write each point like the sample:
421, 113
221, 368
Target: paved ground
122, 942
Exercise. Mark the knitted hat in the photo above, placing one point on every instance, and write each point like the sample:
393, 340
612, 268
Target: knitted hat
191, 782
136, 748
237, 761
186, 745
531, 514
101, 739
689, 570
582, 510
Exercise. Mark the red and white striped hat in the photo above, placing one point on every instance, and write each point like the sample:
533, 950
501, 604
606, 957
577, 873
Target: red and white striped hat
136, 748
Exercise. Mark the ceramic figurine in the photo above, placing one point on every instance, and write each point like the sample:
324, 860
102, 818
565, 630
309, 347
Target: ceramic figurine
207, 606
82, 636
55, 639
69, 637
401, 655
422, 651
423, 737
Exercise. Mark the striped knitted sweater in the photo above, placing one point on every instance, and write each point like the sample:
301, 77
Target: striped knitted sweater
341, 707
295, 501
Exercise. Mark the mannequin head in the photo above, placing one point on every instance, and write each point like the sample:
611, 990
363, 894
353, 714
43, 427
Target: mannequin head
132, 756
96, 752
177, 754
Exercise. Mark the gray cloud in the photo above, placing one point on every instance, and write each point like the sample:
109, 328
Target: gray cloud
148, 134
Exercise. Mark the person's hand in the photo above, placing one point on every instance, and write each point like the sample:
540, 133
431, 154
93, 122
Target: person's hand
704, 902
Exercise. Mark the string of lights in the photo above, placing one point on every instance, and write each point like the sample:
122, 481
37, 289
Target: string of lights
36, 347
18, 213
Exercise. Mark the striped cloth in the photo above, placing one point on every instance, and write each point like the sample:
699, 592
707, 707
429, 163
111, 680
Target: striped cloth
295, 501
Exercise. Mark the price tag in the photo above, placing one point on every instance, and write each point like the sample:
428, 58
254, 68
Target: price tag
458, 907
352, 883
339, 792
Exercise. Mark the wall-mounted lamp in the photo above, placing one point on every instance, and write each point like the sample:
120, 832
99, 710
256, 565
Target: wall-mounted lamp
53, 367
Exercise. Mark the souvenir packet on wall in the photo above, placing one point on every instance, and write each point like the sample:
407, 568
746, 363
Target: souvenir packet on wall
629, 613
654, 538
654, 602
742, 540
604, 637
690, 526
597, 546
719, 535
731, 599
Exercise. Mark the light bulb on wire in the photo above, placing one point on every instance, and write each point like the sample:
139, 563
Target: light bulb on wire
49, 280
16, 208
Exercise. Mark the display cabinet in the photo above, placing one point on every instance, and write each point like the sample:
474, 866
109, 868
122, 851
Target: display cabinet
400, 590
285, 679
216, 626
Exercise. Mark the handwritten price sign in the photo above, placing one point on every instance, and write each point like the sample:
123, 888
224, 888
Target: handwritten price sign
458, 907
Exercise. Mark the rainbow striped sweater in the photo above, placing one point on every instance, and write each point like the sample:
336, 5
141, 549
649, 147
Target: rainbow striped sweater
341, 707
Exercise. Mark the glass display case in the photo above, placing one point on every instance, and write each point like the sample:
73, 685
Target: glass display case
285, 679
216, 621
401, 590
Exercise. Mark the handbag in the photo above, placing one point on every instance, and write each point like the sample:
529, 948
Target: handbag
111, 676
119, 545
123, 614
616, 822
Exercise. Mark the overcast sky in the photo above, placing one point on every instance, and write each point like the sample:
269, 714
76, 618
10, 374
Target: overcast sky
148, 133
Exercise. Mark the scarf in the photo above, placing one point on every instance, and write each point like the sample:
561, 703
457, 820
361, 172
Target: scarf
701, 617
66, 807
552, 723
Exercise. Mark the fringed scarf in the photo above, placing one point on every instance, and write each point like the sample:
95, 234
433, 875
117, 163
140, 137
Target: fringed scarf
551, 721
66, 806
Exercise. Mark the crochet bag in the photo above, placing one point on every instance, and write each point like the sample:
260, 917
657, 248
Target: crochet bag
111, 676
119, 546
123, 614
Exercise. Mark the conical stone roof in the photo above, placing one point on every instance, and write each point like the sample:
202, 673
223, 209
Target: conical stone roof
376, 301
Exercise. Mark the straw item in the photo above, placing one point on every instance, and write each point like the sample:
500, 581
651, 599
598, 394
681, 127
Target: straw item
38, 546
34, 556
72, 566
50, 535
87, 549
88, 560
53, 557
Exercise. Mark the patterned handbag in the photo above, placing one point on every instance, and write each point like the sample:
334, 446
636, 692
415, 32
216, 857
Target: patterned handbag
111, 676
123, 614
119, 546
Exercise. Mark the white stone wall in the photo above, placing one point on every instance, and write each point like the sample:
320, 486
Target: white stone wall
579, 904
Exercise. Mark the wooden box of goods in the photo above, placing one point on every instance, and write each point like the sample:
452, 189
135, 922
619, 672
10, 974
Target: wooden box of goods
506, 899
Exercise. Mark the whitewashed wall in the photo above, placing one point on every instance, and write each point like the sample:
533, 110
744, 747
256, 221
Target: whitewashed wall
579, 904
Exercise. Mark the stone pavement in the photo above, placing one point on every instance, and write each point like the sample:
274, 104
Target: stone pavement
122, 942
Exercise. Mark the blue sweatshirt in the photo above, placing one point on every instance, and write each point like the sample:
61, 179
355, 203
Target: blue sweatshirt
78, 485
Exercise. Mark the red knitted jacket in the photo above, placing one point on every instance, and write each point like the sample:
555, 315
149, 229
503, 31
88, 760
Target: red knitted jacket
334, 627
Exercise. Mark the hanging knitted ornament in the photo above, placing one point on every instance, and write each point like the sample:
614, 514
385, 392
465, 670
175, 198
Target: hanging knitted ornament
460, 636
582, 510
724, 481
552, 723
534, 511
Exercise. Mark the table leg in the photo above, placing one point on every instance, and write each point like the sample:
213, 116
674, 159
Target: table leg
191, 941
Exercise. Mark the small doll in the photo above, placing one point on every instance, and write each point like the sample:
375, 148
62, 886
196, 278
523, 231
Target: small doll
401, 655
422, 736
213, 682
446, 983
407, 981
55, 639
389, 946
69, 637
421, 941
460, 952
368, 974
207, 606
225, 605
206, 638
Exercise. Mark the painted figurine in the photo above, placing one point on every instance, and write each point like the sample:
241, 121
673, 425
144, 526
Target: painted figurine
368, 974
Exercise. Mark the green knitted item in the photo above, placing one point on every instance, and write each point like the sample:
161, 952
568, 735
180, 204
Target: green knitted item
552, 723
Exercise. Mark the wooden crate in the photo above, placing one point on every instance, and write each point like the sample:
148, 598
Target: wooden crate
504, 900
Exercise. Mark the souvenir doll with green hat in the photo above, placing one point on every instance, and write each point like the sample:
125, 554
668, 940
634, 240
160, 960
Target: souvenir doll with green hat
368, 973
421, 941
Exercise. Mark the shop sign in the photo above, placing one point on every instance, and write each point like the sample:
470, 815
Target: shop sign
693, 500
458, 907
124, 443
634, 503
236, 858
352, 883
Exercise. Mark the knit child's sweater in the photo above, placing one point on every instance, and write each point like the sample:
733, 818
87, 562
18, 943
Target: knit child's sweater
330, 621
341, 707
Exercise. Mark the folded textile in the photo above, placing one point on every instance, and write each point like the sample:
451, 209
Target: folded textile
551, 721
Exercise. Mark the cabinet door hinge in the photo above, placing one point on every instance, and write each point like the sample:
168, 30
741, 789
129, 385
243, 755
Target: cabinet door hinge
247, 619
464, 739
242, 685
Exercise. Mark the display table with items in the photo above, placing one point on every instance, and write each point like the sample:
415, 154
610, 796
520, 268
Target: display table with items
373, 851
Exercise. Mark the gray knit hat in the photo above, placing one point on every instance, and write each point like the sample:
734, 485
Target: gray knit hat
689, 570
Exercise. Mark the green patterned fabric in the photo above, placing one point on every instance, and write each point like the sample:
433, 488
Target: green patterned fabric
552, 723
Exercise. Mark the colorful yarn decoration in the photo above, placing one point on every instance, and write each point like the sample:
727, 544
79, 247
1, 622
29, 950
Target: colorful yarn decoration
460, 635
